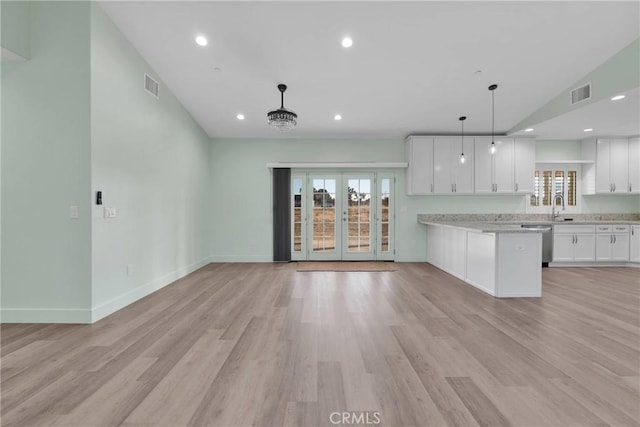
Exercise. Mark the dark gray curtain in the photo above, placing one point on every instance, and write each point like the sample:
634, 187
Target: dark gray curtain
281, 214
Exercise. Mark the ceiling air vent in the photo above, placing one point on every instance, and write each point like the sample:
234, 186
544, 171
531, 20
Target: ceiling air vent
580, 94
151, 86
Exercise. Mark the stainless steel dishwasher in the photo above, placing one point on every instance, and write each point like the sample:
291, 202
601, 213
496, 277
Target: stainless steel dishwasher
547, 241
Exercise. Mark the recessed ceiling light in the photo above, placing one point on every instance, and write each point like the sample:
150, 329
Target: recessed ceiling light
347, 42
201, 40
588, 130
528, 130
337, 117
618, 97
240, 117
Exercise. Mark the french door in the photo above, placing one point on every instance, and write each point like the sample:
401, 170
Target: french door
342, 216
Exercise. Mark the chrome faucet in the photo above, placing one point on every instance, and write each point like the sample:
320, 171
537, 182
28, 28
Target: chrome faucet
554, 213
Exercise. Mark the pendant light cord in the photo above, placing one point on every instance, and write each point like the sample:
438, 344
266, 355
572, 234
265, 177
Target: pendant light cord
493, 115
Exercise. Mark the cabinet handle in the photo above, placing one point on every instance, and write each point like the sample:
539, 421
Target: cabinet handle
576, 239
516, 187
432, 188
615, 239
455, 188
573, 239
611, 240
610, 188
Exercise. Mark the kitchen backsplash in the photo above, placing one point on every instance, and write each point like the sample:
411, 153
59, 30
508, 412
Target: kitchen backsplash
528, 217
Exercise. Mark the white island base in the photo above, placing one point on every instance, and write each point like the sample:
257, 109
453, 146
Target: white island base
501, 263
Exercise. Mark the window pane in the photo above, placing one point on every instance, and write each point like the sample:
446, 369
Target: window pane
559, 186
535, 197
571, 188
546, 188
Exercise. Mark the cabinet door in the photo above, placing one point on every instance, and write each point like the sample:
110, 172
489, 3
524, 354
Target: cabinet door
563, 247
503, 165
585, 247
634, 251
619, 165
524, 165
442, 164
420, 171
634, 165
603, 180
604, 242
463, 172
483, 164
620, 247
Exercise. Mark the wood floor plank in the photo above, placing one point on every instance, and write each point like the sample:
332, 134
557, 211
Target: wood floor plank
264, 345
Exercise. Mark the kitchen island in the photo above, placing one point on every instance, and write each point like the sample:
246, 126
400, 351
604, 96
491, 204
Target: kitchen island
503, 260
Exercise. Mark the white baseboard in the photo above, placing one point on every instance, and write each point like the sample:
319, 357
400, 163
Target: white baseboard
241, 258
134, 295
63, 315
45, 315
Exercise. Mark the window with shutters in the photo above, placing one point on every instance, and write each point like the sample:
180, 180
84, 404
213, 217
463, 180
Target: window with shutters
550, 180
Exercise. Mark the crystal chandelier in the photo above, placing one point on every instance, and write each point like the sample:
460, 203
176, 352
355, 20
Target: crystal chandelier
282, 119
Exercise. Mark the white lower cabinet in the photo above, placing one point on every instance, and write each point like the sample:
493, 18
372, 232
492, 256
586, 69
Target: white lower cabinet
634, 243
574, 243
612, 242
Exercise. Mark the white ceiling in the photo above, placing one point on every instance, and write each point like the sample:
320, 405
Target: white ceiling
605, 117
411, 68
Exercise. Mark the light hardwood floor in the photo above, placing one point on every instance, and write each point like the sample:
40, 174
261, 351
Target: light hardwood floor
265, 345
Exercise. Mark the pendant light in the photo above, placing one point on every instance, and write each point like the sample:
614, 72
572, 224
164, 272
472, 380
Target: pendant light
282, 119
492, 88
462, 159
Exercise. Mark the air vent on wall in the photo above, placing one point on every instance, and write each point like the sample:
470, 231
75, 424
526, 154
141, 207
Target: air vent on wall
151, 86
580, 94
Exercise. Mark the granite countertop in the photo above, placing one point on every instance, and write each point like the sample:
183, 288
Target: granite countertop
511, 223
482, 227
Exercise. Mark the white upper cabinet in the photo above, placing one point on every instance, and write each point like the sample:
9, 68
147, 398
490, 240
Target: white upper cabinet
634, 165
612, 166
449, 175
419, 155
494, 172
524, 164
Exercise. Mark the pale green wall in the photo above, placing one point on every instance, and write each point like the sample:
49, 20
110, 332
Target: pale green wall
241, 190
151, 161
15, 27
46, 256
550, 150
619, 73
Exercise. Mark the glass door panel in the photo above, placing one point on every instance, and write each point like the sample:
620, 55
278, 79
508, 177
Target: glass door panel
324, 226
358, 217
298, 217
385, 216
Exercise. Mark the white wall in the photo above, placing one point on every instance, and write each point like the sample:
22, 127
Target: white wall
46, 256
151, 161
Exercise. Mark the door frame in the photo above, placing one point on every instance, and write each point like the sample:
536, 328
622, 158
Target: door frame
305, 177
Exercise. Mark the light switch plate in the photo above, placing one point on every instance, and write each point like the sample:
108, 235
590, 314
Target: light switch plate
74, 212
109, 212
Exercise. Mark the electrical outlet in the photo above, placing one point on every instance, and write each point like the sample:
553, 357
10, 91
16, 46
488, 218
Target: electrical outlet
74, 213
